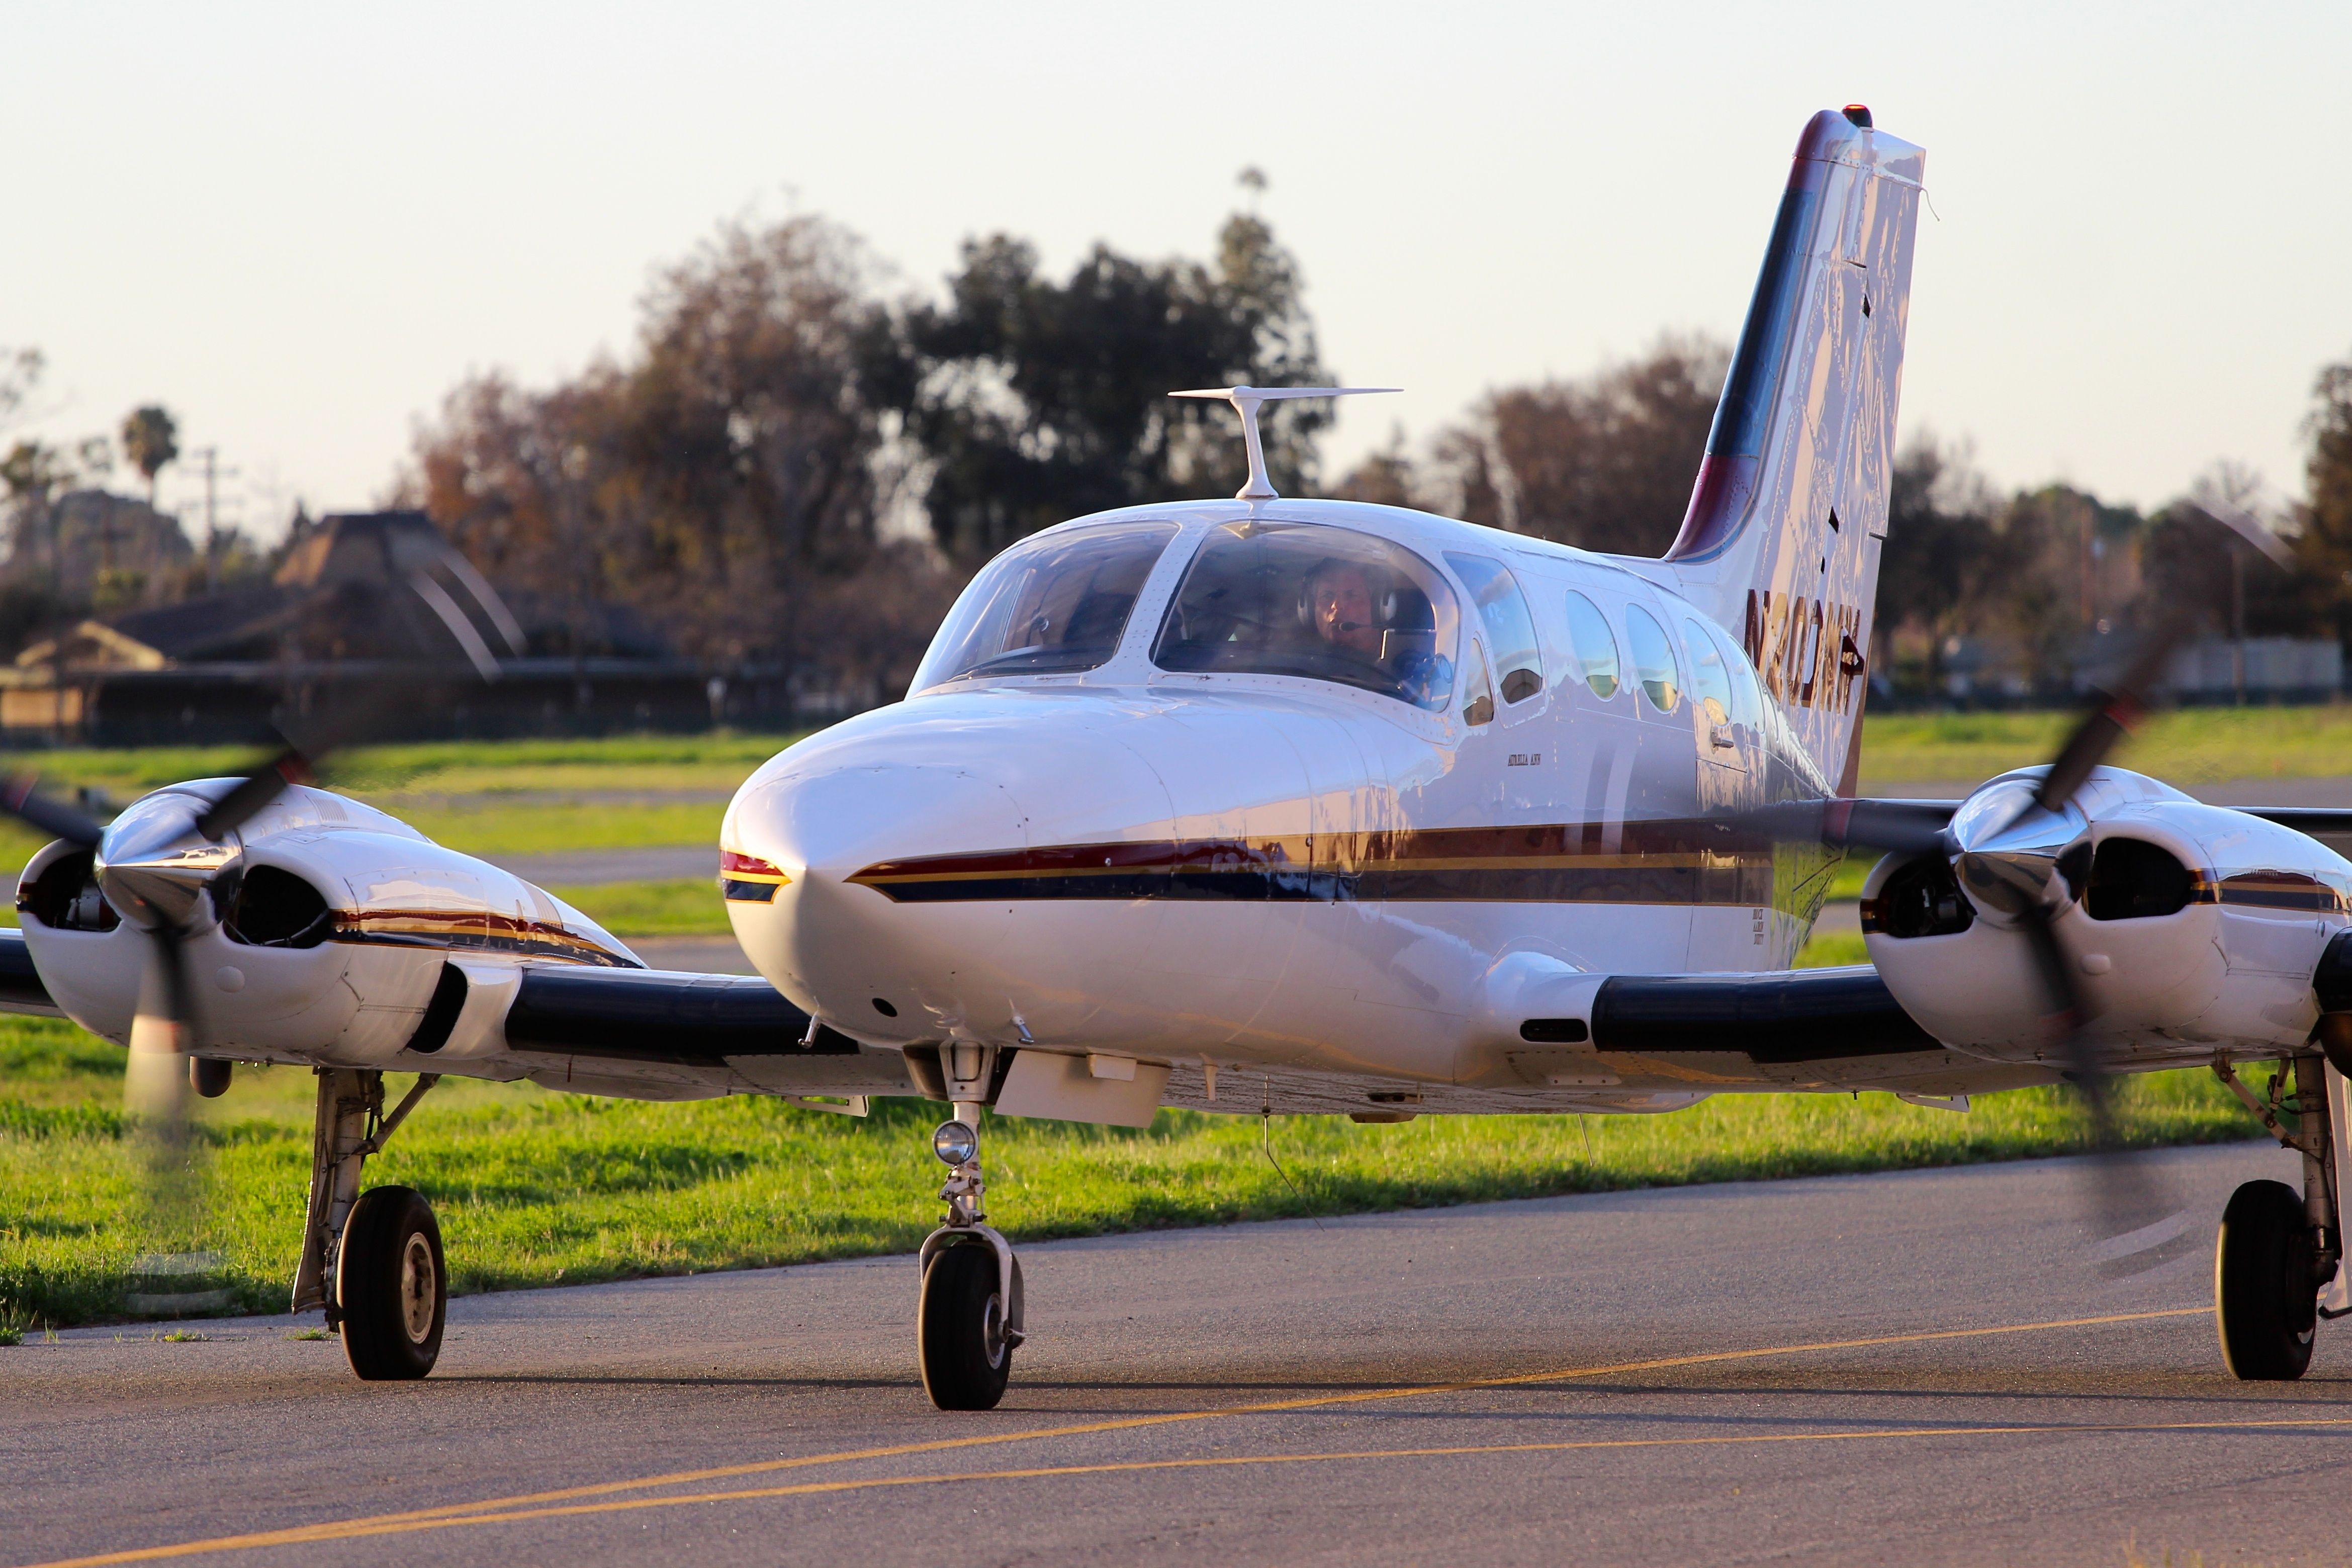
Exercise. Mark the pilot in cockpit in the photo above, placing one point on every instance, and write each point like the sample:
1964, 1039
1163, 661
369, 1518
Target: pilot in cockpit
1341, 592
1354, 618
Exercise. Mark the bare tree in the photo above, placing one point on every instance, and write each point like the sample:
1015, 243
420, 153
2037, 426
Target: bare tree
1605, 463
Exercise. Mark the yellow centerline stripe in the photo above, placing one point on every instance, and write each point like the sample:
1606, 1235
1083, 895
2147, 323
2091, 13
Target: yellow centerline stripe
420, 1517
363, 1528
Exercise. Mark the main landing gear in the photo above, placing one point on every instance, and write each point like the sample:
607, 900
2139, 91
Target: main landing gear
372, 1260
969, 1323
2279, 1248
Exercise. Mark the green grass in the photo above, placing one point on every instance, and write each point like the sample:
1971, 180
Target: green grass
1827, 952
537, 1189
458, 767
418, 783
2189, 745
688, 908
552, 827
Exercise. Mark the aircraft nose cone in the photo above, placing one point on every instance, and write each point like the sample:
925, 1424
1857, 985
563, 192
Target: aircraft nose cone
152, 864
831, 938
834, 824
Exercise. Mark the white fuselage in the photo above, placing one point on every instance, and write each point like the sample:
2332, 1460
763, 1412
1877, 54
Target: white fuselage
1268, 870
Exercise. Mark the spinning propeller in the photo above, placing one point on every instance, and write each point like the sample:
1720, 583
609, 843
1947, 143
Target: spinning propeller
155, 866
2022, 854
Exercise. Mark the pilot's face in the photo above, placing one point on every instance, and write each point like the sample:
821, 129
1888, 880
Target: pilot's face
1343, 611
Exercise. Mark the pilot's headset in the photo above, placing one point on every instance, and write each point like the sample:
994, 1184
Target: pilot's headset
1384, 599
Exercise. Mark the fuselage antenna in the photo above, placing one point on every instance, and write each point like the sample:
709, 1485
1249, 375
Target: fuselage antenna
1245, 401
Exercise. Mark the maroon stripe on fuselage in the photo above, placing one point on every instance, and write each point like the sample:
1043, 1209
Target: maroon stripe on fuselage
1678, 862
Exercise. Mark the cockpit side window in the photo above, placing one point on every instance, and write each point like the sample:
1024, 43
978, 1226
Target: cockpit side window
1509, 627
1054, 606
1324, 603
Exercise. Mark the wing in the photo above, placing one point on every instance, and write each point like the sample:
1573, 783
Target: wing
1801, 1029
647, 1027
1775, 1018
21, 990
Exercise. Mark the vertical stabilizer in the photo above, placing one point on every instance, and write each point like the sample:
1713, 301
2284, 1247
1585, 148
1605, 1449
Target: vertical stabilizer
1786, 520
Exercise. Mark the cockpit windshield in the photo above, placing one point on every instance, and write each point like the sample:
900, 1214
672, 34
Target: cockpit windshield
1052, 607
1296, 599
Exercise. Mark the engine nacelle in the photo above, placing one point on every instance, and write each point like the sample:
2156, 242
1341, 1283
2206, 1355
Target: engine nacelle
338, 937
2190, 928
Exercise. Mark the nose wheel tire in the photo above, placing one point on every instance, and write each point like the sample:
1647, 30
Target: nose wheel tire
391, 1285
2267, 1301
966, 1357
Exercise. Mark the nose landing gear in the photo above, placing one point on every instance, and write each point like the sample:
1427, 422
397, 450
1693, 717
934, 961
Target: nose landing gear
969, 1323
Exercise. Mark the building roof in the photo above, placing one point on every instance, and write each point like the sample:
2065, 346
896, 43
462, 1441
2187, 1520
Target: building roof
365, 586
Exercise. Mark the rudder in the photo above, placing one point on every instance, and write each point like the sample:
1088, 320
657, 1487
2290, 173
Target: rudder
1786, 520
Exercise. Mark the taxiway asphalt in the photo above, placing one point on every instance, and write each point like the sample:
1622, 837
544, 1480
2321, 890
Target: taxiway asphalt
1914, 1368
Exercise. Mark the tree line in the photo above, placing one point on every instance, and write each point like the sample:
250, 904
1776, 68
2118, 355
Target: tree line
791, 471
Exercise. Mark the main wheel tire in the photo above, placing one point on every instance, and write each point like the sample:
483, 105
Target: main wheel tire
2263, 1294
392, 1286
966, 1360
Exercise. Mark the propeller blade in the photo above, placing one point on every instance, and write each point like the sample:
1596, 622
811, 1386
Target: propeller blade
2140, 1225
2247, 527
258, 789
1895, 827
2115, 714
156, 1101
52, 817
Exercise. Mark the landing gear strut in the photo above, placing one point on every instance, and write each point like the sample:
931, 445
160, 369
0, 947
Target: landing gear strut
2279, 1248
371, 1260
971, 1319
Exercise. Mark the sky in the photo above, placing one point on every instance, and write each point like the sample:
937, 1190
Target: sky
299, 227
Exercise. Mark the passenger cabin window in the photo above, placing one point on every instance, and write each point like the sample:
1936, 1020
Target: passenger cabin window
1591, 646
1054, 606
1710, 681
1509, 628
1653, 659
1747, 706
1298, 598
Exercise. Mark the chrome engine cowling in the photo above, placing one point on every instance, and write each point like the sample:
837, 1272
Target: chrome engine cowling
322, 933
2189, 928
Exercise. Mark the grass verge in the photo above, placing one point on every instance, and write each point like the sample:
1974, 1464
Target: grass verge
688, 908
2187, 746
536, 1188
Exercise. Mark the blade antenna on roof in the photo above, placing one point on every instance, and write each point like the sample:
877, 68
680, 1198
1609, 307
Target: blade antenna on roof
1245, 401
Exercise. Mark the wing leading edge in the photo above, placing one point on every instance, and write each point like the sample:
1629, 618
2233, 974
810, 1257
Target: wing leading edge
1779, 1018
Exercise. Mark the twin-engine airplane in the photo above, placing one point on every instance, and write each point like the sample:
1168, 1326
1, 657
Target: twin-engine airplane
1269, 805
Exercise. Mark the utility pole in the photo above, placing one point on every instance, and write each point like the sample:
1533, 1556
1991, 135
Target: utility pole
213, 475
2238, 623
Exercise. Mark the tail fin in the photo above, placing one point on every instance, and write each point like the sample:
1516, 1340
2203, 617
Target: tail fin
1786, 520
